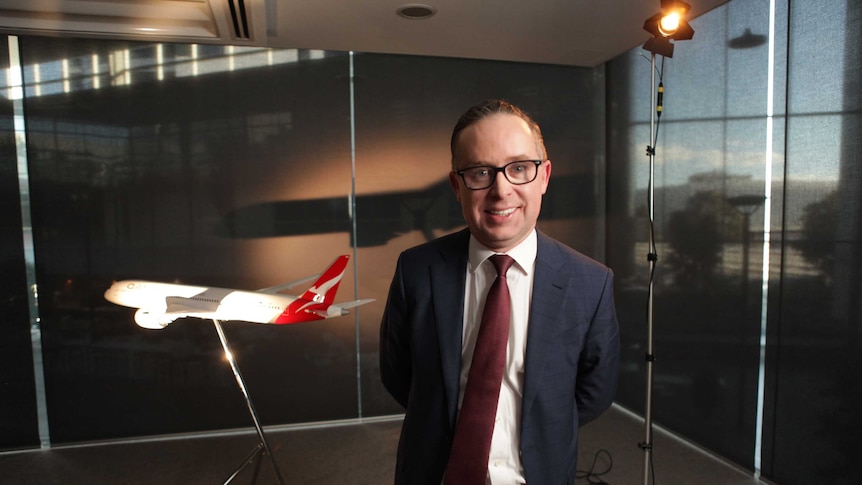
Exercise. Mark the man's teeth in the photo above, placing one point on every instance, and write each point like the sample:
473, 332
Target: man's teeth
505, 212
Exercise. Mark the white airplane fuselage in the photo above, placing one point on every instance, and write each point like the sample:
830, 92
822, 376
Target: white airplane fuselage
228, 304
159, 304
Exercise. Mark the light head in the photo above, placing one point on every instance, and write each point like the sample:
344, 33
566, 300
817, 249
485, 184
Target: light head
667, 25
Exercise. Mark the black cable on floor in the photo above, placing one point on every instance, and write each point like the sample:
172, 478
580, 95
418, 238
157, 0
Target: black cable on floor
592, 475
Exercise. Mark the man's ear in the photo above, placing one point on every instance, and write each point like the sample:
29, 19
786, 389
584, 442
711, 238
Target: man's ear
546, 175
453, 181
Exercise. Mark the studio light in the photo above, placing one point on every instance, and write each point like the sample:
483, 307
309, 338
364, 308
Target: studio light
667, 25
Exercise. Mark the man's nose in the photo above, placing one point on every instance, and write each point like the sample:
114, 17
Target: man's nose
501, 183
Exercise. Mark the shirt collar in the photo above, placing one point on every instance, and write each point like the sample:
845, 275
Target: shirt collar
524, 253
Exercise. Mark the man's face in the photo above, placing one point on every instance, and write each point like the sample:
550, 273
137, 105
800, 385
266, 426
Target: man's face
502, 215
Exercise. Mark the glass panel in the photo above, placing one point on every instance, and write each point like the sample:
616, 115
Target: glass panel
212, 166
18, 427
406, 108
819, 364
709, 193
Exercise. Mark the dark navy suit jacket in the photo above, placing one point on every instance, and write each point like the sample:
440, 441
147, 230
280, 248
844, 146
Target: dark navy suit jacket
571, 361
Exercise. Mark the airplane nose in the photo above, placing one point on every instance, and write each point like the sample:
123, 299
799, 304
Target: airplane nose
111, 294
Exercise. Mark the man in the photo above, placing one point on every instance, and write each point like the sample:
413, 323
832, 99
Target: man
562, 351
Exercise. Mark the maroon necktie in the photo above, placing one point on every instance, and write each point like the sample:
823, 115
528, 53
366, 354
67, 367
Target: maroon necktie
468, 460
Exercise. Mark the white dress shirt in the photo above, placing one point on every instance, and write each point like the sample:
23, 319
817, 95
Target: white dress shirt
504, 463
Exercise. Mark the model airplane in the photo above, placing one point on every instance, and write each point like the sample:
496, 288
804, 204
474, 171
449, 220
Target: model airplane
159, 304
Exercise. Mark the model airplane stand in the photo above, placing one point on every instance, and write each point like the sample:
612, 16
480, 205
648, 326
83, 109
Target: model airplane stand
262, 446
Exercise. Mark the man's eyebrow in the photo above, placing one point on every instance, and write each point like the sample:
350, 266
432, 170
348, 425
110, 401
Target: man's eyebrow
518, 158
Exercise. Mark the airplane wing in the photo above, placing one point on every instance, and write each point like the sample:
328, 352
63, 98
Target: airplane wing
338, 308
180, 305
284, 286
354, 303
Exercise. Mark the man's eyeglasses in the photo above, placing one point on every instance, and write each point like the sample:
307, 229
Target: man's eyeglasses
517, 173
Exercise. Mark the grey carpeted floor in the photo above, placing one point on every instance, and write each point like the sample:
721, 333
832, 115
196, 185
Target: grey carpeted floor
348, 453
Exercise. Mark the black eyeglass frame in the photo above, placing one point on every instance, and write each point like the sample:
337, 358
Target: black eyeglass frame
497, 170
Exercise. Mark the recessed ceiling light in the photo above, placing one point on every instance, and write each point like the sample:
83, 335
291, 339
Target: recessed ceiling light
416, 11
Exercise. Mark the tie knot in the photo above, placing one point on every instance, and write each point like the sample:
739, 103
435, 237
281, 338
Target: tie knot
502, 262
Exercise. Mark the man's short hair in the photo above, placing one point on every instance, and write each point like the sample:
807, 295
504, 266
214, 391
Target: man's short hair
492, 107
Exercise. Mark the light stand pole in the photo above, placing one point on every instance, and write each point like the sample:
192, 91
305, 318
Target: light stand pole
652, 257
664, 26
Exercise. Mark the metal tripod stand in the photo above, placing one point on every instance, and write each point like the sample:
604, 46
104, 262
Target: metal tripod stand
262, 446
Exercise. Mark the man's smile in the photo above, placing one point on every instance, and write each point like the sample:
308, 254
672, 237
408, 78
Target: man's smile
501, 212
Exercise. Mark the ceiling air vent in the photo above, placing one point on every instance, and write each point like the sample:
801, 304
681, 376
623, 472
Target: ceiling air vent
239, 17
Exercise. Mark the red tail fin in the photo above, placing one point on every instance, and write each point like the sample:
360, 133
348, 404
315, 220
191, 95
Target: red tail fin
315, 303
323, 290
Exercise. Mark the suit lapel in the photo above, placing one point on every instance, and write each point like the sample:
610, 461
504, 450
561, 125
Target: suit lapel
549, 293
447, 291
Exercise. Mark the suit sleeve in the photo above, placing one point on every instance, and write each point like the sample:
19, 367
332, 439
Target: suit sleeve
395, 359
598, 368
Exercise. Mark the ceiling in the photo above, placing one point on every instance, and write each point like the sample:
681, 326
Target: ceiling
566, 32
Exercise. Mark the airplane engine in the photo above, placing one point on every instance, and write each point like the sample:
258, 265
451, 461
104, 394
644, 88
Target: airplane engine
155, 320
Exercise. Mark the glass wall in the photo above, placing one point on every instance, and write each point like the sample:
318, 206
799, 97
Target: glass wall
818, 358
18, 426
248, 168
709, 197
757, 202
193, 165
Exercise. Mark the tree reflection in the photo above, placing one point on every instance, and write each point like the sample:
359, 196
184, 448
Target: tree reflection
696, 235
819, 228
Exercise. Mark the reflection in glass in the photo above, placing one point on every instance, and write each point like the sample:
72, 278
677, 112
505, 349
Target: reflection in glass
18, 405
133, 163
731, 161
